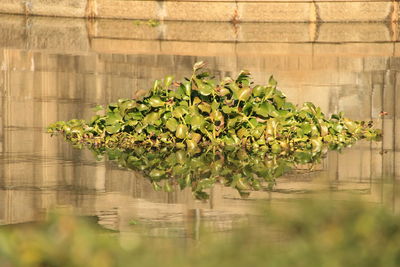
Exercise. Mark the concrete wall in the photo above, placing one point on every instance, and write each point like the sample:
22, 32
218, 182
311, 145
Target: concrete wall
78, 36
208, 39
212, 10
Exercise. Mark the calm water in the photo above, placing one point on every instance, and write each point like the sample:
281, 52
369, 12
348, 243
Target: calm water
57, 69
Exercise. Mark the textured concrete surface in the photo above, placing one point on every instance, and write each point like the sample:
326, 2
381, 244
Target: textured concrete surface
82, 36
198, 11
277, 12
126, 9
190, 38
42, 33
216, 10
356, 11
60, 8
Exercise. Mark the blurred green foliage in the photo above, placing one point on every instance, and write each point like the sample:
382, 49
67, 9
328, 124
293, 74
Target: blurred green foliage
306, 233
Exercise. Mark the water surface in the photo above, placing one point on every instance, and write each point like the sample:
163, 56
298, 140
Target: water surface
57, 69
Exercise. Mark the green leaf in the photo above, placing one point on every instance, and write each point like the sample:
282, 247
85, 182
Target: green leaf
94, 119
197, 121
156, 174
113, 118
243, 78
269, 92
205, 183
259, 91
205, 107
242, 133
142, 107
112, 129
127, 105
258, 131
133, 116
266, 109
227, 109
224, 92
279, 101
156, 85
151, 118
351, 125
338, 128
244, 94
324, 129
308, 106
111, 107
214, 105
181, 131
192, 145
303, 157
167, 187
179, 111
216, 115
155, 102
205, 89
229, 141
156, 186
195, 136
233, 121
187, 86
168, 81
276, 148
272, 82
306, 128
172, 124
242, 184
235, 90
316, 144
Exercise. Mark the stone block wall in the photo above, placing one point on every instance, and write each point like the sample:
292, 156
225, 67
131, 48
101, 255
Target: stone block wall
207, 10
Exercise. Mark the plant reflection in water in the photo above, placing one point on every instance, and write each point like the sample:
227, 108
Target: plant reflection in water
239, 169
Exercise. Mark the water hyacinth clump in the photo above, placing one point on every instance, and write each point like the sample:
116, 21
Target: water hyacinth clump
201, 112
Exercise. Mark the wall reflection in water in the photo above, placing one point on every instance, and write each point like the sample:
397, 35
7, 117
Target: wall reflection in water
57, 69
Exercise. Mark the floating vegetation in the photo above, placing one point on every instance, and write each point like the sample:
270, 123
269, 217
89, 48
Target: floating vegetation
199, 132
200, 112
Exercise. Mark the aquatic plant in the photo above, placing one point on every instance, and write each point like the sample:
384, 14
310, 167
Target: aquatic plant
201, 112
198, 132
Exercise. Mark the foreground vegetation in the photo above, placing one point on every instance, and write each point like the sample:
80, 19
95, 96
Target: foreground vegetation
307, 233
